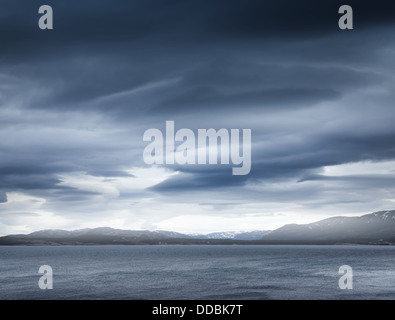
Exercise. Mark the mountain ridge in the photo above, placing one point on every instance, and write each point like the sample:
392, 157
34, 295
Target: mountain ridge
156, 234
374, 228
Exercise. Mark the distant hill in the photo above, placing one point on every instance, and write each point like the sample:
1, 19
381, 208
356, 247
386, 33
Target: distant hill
369, 228
105, 235
374, 228
102, 231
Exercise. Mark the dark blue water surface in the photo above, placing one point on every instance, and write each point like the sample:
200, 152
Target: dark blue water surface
197, 272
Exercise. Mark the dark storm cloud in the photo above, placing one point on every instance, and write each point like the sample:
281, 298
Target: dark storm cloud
299, 162
125, 89
104, 49
203, 180
132, 65
27, 181
92, 22
3, 197
233, 85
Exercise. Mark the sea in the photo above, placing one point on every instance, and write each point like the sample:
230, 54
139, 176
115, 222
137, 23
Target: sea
195, 272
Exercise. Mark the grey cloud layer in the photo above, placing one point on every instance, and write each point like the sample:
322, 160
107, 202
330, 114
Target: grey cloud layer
78, 98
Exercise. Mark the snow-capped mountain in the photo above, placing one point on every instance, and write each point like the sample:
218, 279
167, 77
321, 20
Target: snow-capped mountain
235, 235
377, 226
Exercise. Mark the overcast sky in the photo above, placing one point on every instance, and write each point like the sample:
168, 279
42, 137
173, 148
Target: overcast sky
75, 102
